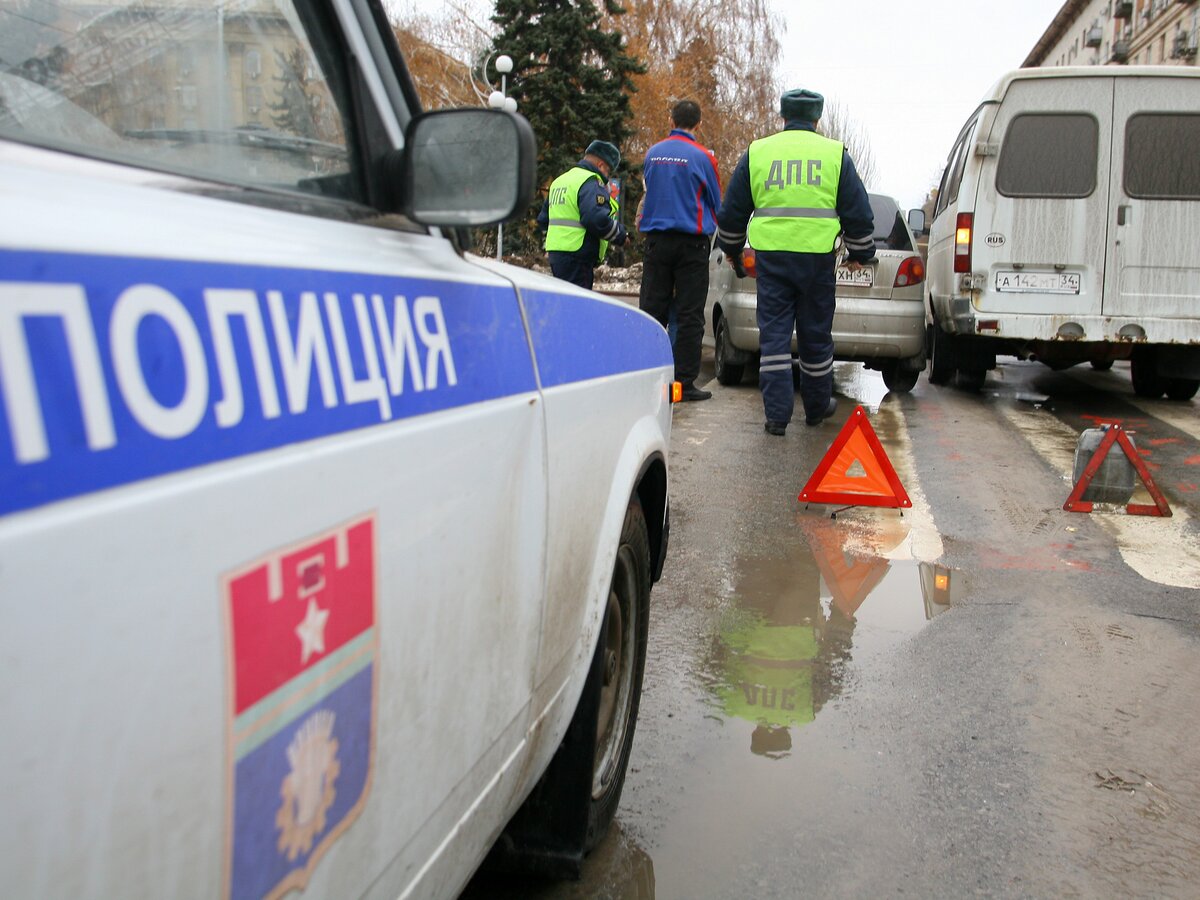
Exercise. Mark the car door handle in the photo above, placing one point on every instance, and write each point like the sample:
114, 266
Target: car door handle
1124, 214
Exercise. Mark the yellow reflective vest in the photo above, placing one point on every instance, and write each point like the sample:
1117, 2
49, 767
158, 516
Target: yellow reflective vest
794, 181
566, 232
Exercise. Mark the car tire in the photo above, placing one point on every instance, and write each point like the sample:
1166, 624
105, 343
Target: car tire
898, 378
617, 670
572, 806
728, 373
971, 379
942, 365
1143, 373
1102, 365
1182, 388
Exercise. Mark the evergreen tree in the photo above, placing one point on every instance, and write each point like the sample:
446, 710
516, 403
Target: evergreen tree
571, 80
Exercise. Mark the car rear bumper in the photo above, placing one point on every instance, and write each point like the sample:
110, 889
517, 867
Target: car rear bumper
1034, 327
862, 328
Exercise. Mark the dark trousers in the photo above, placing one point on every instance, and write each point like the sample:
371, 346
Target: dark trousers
572, 268
795, 294
675, 275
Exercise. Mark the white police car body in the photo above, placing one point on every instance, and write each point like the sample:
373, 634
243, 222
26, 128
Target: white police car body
315, 533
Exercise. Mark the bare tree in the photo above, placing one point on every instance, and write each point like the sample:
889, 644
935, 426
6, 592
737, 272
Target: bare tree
441, 50
694, 49
837, 124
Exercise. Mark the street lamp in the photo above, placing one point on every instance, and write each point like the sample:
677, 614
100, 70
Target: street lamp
500, 100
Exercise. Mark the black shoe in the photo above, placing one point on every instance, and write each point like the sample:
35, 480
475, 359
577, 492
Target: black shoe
829, 411
691, 392
778, 428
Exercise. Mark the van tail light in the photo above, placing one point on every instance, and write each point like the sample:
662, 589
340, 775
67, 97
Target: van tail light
962, 242
911, 271
748, 263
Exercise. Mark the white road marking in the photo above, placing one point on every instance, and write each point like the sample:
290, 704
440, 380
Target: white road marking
1159, 549
1180, 416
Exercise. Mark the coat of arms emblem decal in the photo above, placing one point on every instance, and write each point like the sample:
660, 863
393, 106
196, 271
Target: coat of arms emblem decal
302, 653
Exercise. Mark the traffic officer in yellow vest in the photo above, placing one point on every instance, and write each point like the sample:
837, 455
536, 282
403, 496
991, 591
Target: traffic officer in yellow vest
791, 194
580, 217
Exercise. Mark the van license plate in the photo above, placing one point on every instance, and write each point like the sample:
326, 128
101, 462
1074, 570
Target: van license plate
1040, 282
864, 277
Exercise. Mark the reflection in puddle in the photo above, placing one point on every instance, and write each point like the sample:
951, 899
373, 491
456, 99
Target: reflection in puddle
783, 649
860, 384
617, 869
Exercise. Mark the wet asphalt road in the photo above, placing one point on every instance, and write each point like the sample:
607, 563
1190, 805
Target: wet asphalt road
985, 696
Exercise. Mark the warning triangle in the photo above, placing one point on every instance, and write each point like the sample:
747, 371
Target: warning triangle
1115, 434
856, 470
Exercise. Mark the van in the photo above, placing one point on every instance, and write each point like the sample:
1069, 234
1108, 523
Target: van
1067, 228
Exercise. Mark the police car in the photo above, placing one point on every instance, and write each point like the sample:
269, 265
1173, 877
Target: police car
325, 547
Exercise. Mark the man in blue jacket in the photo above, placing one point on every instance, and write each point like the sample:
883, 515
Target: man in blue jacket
580, 217
802, 190
679, 215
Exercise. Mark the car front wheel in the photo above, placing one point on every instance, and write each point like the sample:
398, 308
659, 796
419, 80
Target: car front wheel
617, 670
573, 804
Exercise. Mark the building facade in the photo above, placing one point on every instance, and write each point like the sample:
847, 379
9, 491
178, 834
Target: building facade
1120, 32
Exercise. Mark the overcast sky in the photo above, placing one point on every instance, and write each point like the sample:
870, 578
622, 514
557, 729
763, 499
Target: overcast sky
908, 72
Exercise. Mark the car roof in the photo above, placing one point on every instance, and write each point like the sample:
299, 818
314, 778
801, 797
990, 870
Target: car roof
998, 90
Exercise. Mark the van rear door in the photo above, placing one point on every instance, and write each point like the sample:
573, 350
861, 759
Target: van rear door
1041, 211
1154, 217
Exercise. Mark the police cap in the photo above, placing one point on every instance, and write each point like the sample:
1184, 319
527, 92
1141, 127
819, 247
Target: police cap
605, 151
801, 104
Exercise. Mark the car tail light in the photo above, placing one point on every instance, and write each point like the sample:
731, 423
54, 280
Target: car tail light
962, 242
749, 264
911, 271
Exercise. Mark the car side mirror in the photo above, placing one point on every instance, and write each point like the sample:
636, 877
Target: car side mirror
467, 167
916, 221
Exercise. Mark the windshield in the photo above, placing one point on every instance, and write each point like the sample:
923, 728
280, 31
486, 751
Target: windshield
229, 90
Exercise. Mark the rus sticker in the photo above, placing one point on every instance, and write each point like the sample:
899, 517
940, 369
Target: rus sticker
303, 656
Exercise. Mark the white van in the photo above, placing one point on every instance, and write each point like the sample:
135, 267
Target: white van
323, 543
1067, 228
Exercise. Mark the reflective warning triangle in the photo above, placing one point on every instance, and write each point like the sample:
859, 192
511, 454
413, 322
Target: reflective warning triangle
856, 470
1116, 434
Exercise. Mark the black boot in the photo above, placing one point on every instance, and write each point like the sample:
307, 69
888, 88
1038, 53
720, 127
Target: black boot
829, 411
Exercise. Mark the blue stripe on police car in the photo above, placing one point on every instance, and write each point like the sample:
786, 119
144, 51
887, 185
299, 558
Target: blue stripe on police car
114, 370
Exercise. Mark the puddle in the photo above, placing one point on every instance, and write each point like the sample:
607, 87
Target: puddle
804, 625
740, 764
617, 869
798, 623
860, 384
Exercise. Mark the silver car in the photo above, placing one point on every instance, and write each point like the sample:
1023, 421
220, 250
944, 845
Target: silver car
880, 317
